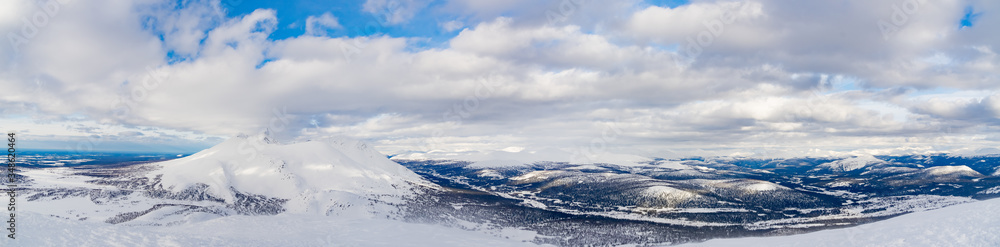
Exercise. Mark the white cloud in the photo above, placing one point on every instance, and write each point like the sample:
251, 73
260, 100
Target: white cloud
661, 24
451, 26
183, 28
318, 25
394, 11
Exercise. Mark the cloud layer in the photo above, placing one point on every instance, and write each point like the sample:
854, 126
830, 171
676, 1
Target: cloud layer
704, 78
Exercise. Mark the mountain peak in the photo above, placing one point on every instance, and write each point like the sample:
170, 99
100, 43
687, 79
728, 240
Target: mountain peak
326, 168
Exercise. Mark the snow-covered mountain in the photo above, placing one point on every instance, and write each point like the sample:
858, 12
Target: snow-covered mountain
246, 191
246, 175
313, 176
853, 163
951, 171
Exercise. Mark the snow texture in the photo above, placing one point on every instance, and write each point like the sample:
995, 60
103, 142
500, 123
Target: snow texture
971, 224
281, 230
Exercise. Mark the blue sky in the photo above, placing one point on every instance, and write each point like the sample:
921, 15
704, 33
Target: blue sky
292, 16
355, 22
970, 17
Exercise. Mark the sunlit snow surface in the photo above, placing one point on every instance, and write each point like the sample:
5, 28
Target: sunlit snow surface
35, 229
972, 224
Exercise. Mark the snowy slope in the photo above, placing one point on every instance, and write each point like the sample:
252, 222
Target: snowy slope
280, 230
311, 175
853, 163
972, 224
